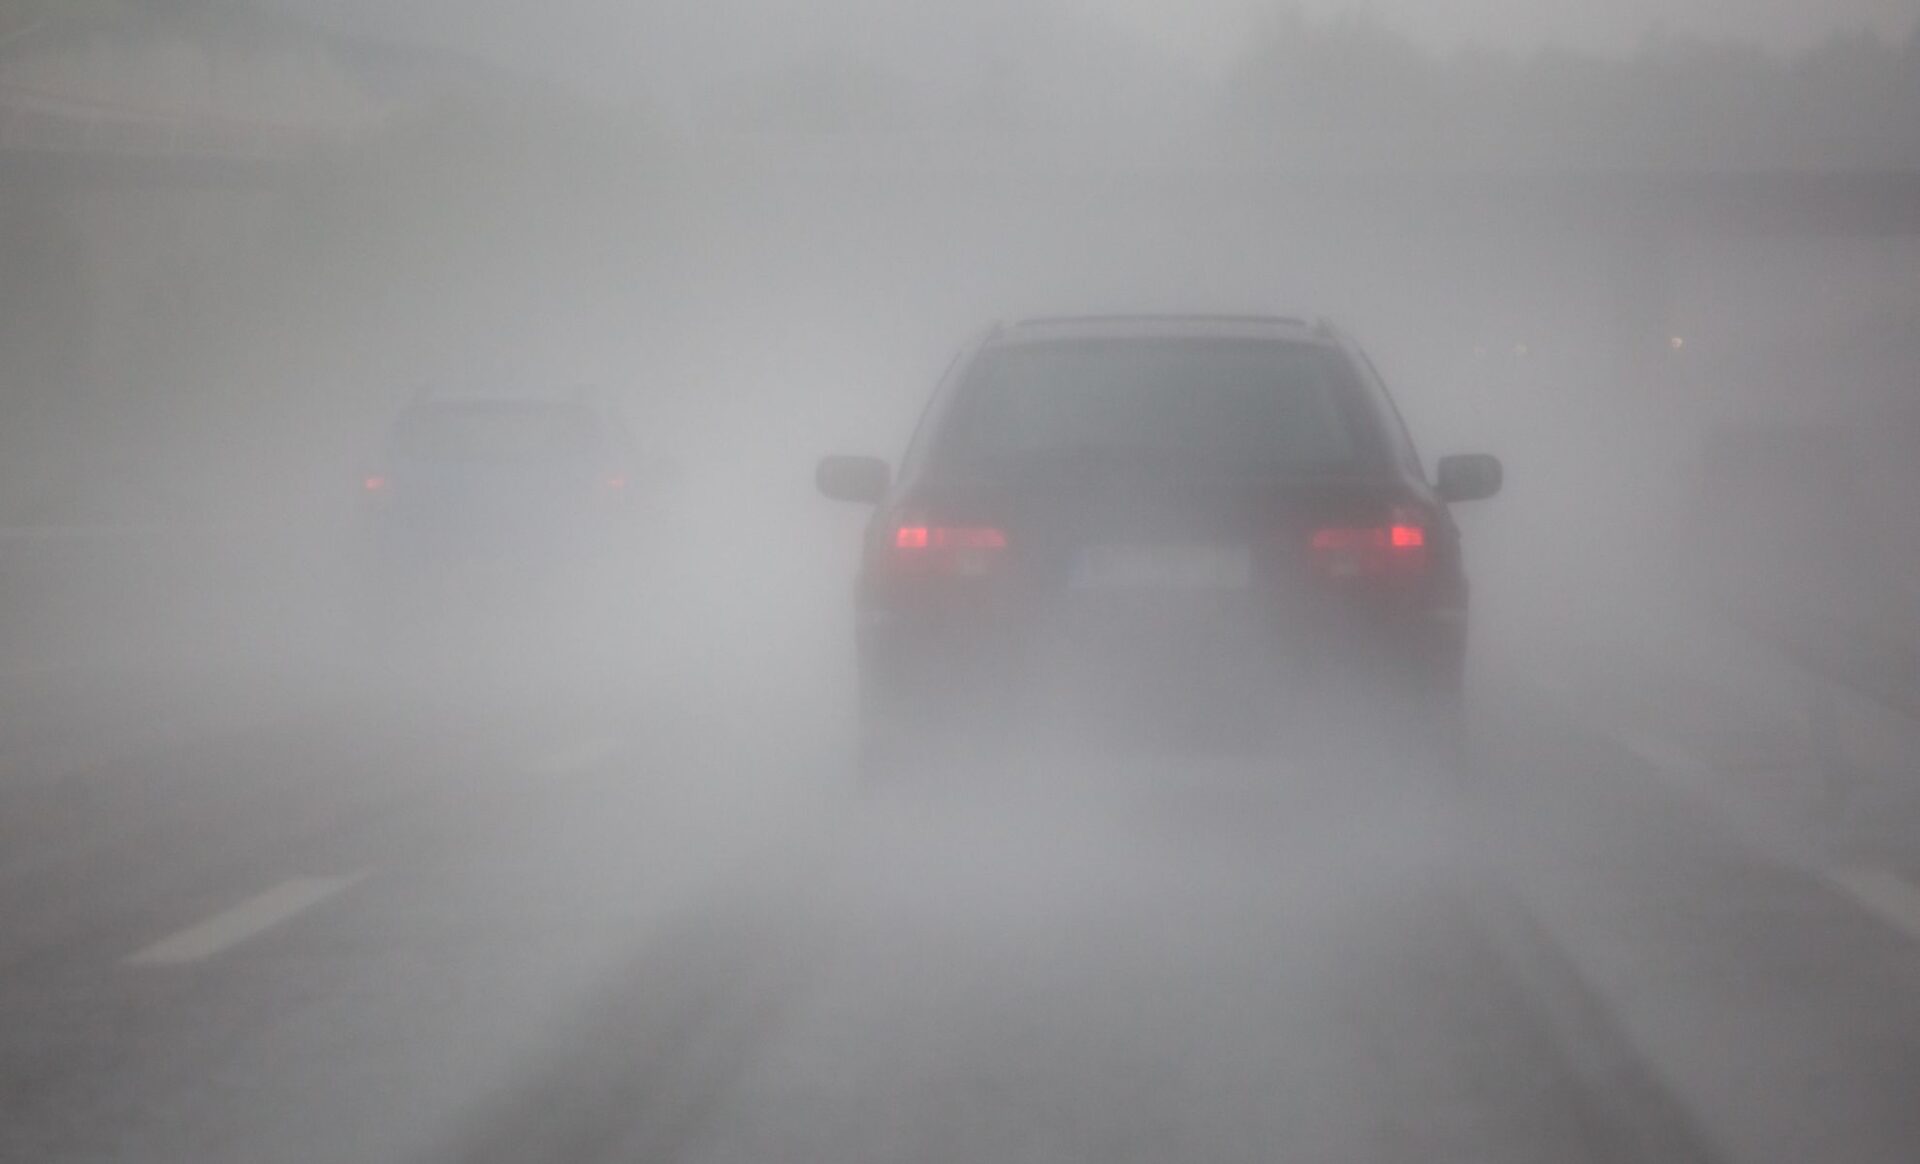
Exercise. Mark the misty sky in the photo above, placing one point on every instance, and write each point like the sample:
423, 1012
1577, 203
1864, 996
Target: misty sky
608, 44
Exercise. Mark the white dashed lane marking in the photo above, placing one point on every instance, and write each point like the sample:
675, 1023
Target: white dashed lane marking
1886, 895
250, 918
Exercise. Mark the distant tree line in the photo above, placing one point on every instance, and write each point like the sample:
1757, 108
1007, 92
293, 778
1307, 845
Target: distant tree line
1852, 100
1351, 89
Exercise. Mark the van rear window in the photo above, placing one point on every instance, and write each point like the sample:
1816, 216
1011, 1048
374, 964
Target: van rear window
496, 432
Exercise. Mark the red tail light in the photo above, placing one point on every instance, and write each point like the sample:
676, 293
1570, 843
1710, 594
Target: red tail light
957, 549
375, 483
1397, 547
949, 537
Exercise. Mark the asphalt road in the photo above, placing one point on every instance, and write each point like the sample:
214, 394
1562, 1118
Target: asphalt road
593, 923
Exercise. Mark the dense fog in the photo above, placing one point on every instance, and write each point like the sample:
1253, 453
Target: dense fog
778, 264
1665, 265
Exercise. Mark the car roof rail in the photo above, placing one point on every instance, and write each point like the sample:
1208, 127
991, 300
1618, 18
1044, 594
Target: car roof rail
992, 331
1326, 328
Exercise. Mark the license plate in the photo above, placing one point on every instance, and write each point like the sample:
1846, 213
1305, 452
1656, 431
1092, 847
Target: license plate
1131, 567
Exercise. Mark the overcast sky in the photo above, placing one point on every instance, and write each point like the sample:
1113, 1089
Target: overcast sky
604, 42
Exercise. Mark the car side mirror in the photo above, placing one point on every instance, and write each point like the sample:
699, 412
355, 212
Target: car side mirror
1469, 477
862, 480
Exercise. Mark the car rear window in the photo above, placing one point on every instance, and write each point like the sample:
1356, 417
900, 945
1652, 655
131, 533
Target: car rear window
497, 433
1235, 402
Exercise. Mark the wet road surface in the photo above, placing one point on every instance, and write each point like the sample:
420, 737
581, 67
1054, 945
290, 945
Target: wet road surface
653, 926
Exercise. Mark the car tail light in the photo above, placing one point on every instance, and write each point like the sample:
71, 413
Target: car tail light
1396, 547
949, 537
951, 549
613, 482
375, 483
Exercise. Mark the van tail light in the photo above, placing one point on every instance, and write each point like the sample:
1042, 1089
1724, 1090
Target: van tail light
947, 549
1397, 547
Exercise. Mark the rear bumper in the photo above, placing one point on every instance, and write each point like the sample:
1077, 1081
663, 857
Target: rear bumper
998, 672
